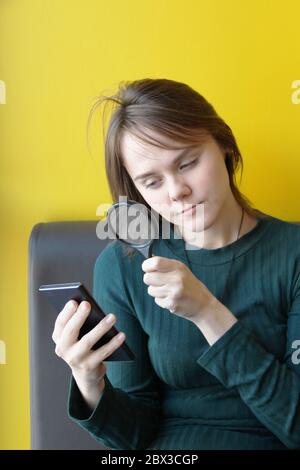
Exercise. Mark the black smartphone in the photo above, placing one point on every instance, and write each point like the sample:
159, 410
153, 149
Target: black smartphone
59, 294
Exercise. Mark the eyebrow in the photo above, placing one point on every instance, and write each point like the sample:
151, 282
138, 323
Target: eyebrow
152, 173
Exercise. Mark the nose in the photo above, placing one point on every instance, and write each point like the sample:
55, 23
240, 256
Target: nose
178, 189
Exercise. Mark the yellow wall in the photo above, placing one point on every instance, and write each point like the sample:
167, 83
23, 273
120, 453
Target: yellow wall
57, 55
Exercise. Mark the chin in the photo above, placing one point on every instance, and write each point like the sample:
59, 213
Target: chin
193, 226
193, 222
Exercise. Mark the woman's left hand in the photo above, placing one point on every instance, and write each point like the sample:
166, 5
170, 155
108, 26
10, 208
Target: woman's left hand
174, 286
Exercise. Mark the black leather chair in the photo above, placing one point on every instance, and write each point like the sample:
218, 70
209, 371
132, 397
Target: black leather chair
58, 252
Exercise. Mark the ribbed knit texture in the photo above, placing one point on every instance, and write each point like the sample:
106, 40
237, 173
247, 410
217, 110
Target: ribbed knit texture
243, 392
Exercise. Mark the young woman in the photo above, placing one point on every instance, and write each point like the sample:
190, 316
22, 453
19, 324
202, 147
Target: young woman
214, 325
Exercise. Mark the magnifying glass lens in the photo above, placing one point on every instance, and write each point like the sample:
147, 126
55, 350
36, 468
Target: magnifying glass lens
133, 224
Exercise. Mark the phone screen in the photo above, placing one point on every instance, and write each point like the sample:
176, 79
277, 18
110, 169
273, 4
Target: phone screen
59, 294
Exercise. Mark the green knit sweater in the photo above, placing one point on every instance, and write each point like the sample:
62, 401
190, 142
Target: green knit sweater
243, 392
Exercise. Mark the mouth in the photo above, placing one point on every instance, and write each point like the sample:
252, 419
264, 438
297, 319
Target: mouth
191, 208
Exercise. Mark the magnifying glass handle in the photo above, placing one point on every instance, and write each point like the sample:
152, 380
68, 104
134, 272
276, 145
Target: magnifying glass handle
146, 251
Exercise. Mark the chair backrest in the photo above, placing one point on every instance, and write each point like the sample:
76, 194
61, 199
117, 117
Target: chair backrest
58, 252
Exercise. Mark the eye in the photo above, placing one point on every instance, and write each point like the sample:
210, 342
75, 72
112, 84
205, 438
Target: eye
189, 163
151, 185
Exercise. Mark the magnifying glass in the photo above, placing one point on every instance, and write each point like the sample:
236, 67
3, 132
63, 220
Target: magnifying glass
134, 225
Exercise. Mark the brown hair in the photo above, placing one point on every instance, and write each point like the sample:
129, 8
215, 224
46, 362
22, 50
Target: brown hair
172, 109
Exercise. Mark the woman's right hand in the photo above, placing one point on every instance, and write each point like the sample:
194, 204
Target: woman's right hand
86, 364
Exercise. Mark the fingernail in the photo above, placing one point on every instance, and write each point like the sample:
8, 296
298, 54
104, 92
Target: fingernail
109, 318
85, 308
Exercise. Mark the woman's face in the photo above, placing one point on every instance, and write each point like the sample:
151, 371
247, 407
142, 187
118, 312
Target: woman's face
199, 177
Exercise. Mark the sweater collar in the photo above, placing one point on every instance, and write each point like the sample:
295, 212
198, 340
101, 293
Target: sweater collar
177, 246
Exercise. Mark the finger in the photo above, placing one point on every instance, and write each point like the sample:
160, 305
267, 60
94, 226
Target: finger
165, 303
157, 278
62, 319
160, 292
70, 333
102, 353
158, 263
87, 341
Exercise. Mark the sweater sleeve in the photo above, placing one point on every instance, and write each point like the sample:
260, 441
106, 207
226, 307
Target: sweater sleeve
269, 387
127, 415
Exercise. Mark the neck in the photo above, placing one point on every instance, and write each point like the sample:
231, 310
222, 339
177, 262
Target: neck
222, 230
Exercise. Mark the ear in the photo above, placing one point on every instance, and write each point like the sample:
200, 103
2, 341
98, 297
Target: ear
227, 154
227, 159
226, 151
